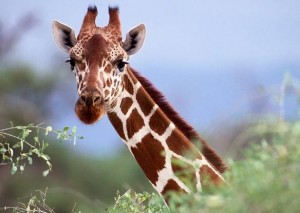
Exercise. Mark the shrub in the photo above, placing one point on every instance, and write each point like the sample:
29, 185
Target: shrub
265, 180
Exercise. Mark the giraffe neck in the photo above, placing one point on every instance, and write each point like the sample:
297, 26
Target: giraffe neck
165, 154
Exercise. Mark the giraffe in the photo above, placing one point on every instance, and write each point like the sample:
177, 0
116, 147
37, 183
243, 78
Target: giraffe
159, 139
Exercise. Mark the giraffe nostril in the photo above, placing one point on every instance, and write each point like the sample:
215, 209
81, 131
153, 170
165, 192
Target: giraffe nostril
82, 99
86, 100
97, 100
90, 100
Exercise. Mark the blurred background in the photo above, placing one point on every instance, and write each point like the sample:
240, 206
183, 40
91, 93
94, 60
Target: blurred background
221, 65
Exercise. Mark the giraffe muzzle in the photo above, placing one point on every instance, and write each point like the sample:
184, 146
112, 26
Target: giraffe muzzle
89, 106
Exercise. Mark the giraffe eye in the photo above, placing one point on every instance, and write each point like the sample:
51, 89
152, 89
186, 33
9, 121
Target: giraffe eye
72, 63
121, 65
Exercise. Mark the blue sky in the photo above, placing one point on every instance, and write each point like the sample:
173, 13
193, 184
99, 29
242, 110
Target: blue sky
204, 55
215, 33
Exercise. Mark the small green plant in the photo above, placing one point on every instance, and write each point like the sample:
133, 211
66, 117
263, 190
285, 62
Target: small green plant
134, 202
20, 145
34, 203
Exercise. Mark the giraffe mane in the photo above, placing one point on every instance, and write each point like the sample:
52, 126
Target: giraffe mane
180, 123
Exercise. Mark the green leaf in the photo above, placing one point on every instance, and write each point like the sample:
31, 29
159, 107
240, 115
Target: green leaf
14, 169
3, 150
46, 172
45, 157
17, 145
48, 129
44, 145
25, 133
66, 128
74, 130
49, 164
29, 160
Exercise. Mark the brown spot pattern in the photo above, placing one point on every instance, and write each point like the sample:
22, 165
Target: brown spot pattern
182, 146
126, 104
113, 104
134, 123
117, 123
149, 153
106, 93
108, 68
159, 122
172, 186
128, 85
209, 177
108, 82
144, 101
181, 124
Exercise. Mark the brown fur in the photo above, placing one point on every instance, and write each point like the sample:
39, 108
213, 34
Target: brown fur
117, 123
134, 123
89, 114
209, 177
159, 122
150, 162
182, 125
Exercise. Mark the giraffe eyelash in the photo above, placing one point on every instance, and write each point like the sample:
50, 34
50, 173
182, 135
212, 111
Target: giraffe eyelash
72, 63
121, 65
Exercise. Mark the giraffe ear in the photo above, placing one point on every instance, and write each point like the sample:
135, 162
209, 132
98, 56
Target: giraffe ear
134, 39
63, 35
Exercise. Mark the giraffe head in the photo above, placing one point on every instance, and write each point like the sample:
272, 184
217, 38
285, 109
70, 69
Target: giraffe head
98, 57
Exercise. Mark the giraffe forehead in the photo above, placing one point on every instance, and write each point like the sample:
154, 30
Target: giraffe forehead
98, 47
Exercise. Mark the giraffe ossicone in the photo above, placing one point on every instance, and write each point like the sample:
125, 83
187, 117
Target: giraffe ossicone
158, 138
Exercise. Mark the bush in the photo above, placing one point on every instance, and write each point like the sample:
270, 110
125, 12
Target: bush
265, 180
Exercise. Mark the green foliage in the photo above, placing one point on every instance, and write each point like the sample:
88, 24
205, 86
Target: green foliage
265, 180
35, 203
19, 145
138, 202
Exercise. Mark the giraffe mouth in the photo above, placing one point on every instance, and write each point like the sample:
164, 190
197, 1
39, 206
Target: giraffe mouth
89, 109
